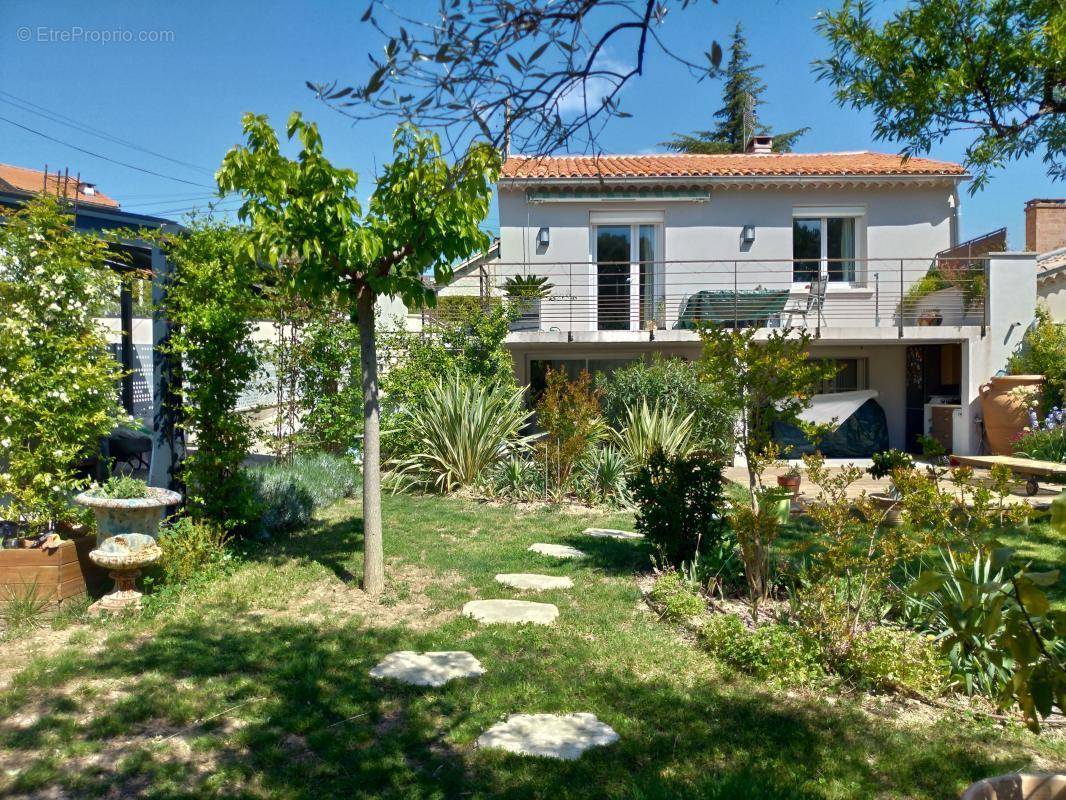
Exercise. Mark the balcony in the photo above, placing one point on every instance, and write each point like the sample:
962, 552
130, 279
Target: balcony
614, 299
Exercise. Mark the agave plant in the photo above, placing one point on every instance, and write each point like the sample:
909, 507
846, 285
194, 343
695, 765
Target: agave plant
461, 429
528, 286
648, 428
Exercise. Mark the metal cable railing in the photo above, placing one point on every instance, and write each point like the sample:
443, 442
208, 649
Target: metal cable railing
682, 295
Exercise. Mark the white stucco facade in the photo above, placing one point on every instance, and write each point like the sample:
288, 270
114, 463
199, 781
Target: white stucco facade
900, 225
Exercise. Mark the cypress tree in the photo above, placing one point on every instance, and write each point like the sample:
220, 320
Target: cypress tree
737, 121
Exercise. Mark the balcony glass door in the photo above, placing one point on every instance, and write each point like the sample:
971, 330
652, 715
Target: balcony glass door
630, 286
614, 244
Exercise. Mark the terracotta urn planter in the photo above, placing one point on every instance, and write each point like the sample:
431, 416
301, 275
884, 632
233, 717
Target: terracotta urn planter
790, 482
1005, 402
115, 517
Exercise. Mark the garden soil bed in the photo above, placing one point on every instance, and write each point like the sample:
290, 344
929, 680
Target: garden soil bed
54, 575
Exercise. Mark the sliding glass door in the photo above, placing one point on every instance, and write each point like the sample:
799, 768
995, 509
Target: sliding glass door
629, 277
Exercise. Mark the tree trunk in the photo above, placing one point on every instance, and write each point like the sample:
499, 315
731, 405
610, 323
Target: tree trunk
373, 555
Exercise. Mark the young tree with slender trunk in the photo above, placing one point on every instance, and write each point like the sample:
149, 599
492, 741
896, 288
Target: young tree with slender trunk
306, 222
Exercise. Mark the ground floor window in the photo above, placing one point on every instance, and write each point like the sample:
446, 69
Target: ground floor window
852, 376
538, 369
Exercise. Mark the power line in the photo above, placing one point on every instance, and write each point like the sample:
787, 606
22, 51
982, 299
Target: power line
102, 157
54, 116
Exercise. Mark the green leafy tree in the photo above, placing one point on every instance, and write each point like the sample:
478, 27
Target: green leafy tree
214, 304
58, 382
1043, 352
423, 215
770, 381
993, 70
328, 381
737, 120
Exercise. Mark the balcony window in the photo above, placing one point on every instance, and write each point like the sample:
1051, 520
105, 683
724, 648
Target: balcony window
824, 245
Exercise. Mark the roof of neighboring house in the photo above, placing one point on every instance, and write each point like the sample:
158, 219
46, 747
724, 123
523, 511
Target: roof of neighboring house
1050, 263
683, 165
21, 179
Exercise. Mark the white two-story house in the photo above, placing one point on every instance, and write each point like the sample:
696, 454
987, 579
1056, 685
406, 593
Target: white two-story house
640, 249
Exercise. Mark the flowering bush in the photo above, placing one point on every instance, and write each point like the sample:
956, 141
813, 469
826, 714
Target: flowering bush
1044, 440
57, 378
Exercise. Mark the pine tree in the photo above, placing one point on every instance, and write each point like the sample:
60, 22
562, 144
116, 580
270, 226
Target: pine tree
736, 119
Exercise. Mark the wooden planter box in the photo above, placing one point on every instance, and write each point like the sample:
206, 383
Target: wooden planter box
59, 574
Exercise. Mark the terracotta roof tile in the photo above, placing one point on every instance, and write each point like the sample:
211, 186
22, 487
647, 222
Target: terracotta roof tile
670, 165
20, 179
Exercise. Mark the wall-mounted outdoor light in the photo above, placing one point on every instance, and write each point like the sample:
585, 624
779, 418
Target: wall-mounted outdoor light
542, 237
747, 234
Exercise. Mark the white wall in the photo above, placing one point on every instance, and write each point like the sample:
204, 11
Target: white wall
912, 223
1052, 290
1011, 311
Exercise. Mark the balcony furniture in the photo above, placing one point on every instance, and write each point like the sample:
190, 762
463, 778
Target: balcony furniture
746, 308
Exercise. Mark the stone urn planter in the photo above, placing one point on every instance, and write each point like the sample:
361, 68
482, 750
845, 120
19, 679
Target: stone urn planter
890, 506
1019, 786
124, 556
779, 503
116, 516
1005, 402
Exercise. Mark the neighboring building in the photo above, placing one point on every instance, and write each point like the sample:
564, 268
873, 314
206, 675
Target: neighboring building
1045, 235
640, 248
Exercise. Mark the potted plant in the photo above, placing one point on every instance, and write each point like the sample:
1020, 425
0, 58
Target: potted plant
125, 505
929, 318
526, 291
778, 502
790, 479
885, 465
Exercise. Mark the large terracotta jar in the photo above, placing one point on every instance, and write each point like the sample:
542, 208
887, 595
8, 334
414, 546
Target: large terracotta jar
1005, 403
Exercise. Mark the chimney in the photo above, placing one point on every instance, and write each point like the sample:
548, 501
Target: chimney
1045, 225
88, 189
760, 145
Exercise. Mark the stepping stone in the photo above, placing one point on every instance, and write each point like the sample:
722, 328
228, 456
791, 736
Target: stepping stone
538, 583
428, 669
511, 612
556, 550
548, 735
612, 533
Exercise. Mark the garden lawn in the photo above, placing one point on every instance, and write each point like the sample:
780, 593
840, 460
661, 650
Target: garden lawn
255, 685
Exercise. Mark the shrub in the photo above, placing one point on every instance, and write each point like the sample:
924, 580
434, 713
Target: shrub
190, 549
287, 495
569, 413
679, 503
57, 378
1043, 352
778, 654
467, 341
327, 373
669, 382
678, 600
213, 302
894, 659
649, 428
461, 429
1043, 445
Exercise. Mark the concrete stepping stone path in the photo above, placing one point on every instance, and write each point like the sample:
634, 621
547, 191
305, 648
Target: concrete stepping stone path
510, 612
428, 669
612, 533
556, 550
537, 583
548, 735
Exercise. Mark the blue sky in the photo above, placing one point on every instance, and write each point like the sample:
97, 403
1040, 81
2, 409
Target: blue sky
183, 96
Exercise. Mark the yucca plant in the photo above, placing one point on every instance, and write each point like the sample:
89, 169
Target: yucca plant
515, 477
602, 475
648, 428
461, 429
